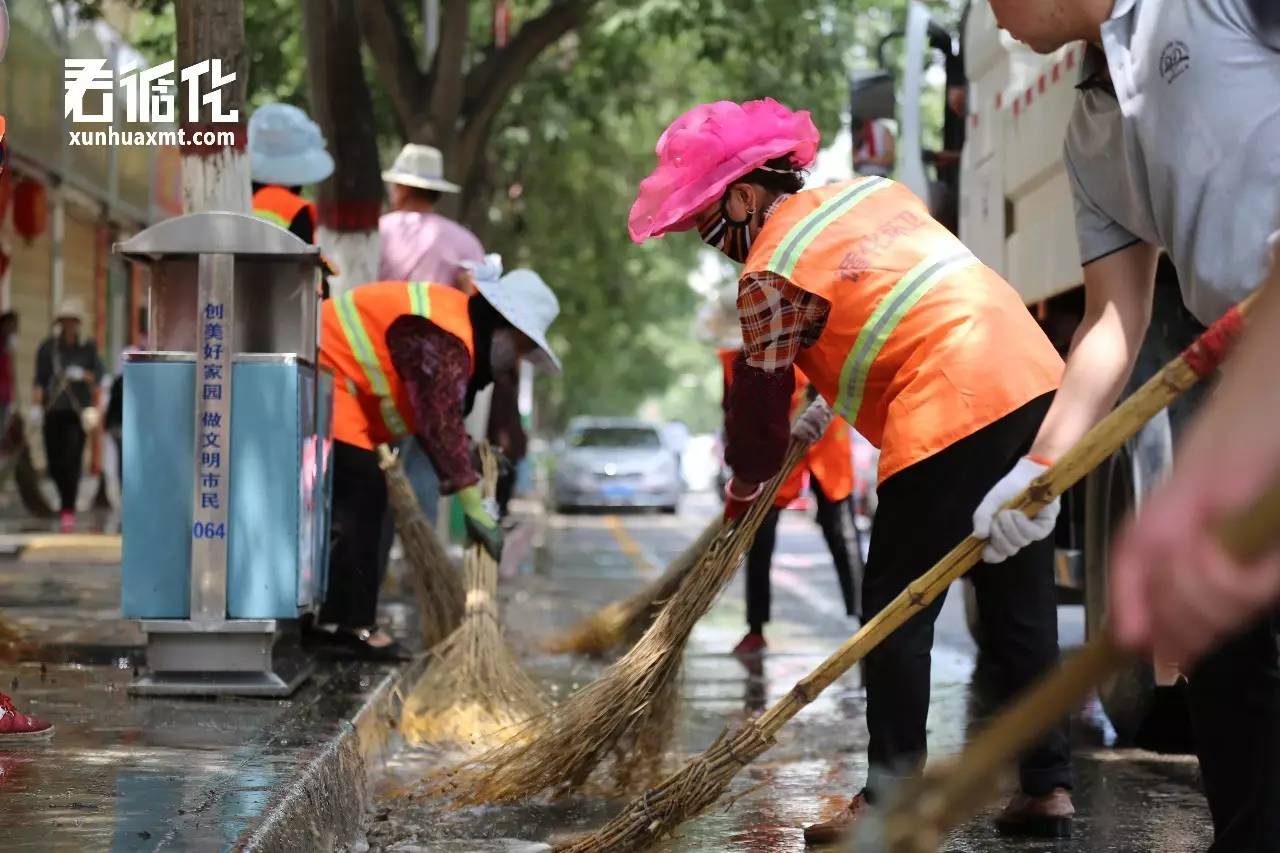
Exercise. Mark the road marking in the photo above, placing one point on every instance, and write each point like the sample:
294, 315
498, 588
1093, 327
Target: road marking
640, 557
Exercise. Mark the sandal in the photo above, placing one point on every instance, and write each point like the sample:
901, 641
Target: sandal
353, 643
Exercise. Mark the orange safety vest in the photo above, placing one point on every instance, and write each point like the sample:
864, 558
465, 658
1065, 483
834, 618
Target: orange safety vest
923, 345
371, 405
830, 459
279, 206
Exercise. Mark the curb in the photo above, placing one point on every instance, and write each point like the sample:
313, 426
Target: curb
324, 807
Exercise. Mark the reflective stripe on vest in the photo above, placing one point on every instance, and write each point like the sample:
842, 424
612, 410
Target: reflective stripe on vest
272, 217
884, 319
363, 349
804, 232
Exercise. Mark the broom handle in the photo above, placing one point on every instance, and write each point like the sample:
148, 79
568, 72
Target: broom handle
960, 788
1195, 363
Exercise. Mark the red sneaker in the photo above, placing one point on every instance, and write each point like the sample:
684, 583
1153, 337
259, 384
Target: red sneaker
752, 644
67, 521
14, 725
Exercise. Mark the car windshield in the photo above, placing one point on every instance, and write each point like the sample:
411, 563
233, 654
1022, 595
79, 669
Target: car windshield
615, 437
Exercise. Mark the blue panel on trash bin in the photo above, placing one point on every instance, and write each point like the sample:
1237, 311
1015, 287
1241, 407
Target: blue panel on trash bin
262, 529
158, 436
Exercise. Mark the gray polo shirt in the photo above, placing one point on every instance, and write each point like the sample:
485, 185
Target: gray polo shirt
1182, 149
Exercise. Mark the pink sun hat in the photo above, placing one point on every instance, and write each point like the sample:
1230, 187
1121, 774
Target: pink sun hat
710, 147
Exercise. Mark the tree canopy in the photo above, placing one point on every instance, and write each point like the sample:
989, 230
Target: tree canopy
568, 133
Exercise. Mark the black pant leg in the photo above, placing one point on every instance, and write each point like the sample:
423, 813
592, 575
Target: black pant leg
359, 506
1234, 696
759, 560
926, 510
64, 450
1017, 605
831, 517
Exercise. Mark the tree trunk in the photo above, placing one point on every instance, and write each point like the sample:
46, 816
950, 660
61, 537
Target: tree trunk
215, 173
350, 201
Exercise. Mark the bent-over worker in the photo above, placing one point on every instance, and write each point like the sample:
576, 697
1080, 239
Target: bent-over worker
408, 359
930, 355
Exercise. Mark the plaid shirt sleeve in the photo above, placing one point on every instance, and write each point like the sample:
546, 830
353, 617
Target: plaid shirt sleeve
778, 319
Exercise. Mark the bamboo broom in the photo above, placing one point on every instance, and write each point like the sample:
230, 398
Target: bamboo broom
629, 708
474, 692
950, 792
436, 581
700, 783
622, 622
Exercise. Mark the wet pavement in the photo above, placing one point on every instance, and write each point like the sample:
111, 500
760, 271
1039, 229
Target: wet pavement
127, 773
1128, 800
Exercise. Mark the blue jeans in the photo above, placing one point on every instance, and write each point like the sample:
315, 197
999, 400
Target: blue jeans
426, 485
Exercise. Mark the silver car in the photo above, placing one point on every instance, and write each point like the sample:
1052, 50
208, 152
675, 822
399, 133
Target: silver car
615, 462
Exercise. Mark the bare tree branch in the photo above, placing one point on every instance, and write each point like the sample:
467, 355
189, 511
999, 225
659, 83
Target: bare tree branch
448, 83
529, 42
491, 82
385, 31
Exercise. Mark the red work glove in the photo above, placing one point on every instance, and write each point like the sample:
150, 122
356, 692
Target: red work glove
738, 498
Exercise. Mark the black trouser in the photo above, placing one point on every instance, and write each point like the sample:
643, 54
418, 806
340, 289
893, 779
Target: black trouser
356, 554
1235, 715
760, 558
924, 511
64, 449
831, 517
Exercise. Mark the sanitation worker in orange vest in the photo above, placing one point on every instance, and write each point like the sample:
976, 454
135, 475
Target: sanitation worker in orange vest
408, 359
286, 153
929, 354
828, 469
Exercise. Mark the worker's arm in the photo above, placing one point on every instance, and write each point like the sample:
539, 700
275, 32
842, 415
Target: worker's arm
434, 366
1172, 587
777, 319
1118, 293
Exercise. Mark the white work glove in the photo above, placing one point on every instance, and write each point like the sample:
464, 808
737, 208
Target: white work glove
1008, 531
35, 414
74, 373
813, 422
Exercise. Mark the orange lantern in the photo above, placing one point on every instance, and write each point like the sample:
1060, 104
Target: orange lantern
30, 209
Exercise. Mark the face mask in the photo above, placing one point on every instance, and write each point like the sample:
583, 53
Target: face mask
503, 354
732, 238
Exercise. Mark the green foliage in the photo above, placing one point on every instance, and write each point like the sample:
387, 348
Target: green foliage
574, 142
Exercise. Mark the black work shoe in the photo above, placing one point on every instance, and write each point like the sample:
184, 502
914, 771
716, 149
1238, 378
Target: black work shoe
1048, 816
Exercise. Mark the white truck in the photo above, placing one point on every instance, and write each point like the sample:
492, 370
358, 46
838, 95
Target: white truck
1017, 214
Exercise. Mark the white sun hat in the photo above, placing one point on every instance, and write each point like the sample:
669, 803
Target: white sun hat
420, 166
286, 147
71, 308
522, 297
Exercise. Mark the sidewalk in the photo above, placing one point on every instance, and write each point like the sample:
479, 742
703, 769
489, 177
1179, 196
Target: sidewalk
130, 773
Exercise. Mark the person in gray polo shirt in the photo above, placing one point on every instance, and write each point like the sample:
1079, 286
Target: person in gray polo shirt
1174, 146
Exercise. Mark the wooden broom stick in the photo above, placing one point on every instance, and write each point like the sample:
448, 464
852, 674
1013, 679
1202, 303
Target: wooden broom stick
700, 782
953, 791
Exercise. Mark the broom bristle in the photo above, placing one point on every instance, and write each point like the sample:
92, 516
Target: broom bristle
684, 795
474, 693
624, 621
631, 706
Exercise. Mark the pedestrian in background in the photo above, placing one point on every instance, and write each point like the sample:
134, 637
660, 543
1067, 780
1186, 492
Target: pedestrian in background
419, 244
67, 372
8, 337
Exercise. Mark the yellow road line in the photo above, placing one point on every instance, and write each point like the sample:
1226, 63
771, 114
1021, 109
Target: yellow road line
629, 545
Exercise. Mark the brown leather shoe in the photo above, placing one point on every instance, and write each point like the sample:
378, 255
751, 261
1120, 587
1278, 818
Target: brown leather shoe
838, 828
1038, 817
